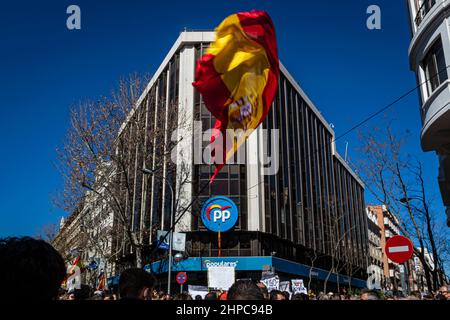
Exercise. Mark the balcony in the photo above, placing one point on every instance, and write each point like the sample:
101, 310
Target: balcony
423, 10
436, 119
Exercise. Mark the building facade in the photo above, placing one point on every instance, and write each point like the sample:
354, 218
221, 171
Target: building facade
375, 248
429, 57
86, 234
302, 221
389, 227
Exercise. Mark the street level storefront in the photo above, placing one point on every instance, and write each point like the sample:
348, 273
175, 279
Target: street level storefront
252, 267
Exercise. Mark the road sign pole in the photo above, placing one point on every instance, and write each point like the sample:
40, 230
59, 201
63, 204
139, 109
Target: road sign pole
181, 288
402, 278
405, 268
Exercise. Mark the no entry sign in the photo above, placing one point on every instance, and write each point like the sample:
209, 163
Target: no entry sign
181, 277
399, 249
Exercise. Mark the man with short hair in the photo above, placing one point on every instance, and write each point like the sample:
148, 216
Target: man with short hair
245, 290
135, 284
29, 264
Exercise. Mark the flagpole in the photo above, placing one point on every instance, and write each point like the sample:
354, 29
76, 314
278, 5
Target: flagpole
218, 240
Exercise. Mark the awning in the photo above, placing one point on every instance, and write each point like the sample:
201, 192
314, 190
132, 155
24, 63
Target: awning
257, 263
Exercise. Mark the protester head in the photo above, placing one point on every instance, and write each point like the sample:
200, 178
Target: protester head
223, 296
198, 297
245, 290
444, 291
212, 295
30, 264
322, 296
109, 297
389, 296
297, 296
264, 290
182, 296
82, 293
415, 295
427, 296
277, 295
135, 283
369, 295
286, 295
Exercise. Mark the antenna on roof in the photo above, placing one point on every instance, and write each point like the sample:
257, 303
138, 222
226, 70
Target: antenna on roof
346, 149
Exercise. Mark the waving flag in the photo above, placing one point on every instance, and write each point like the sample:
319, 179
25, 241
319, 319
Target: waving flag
238, 80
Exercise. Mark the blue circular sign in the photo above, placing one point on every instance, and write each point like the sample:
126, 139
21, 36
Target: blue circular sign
219, 213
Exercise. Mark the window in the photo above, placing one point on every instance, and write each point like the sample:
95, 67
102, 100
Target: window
435, 67
423, 7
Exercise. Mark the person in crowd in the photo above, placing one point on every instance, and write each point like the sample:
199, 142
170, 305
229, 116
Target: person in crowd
83, 293
286, 295
168, 297
264, 290
109, 296
27, 263
369, 295
388, 296
277, 295
427, 296
136, 284
182, 296
322, 296
245, 290
223, 296
71, 295
444, 292
198, 297
415, 295
297, 296
98, 295
212, 295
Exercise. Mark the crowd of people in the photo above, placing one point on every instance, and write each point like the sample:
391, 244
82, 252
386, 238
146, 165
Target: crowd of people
250, 290
27, 264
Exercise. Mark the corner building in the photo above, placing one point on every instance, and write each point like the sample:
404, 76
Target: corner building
299, 222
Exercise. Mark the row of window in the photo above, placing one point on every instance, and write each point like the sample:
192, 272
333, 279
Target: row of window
313, 200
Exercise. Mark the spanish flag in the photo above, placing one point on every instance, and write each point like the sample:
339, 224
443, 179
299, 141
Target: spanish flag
238, 79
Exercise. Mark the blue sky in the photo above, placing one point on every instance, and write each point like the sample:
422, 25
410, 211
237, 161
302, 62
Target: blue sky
347, 70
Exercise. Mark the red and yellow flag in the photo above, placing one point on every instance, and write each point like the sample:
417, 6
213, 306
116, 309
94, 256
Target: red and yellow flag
238, 79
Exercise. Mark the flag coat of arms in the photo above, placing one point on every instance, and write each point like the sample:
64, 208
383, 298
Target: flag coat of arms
238, 80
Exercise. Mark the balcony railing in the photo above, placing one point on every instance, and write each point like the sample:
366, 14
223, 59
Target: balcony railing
423, 10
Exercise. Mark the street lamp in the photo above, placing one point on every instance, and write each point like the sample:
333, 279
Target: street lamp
151, 172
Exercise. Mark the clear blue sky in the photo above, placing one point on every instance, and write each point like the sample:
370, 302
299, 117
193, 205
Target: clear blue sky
347, 70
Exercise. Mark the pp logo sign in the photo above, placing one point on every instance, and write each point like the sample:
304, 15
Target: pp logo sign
219, 214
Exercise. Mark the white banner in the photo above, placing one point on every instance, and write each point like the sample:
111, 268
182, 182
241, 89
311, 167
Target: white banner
298, 286
285, 286
272, 283
197, 291
179, 241
221, 277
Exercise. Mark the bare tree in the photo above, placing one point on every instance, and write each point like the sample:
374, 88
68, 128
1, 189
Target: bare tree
47, 232
396, 180
108, 143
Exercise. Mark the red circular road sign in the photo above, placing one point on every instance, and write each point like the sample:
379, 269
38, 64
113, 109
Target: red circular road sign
181, 277
399, 249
